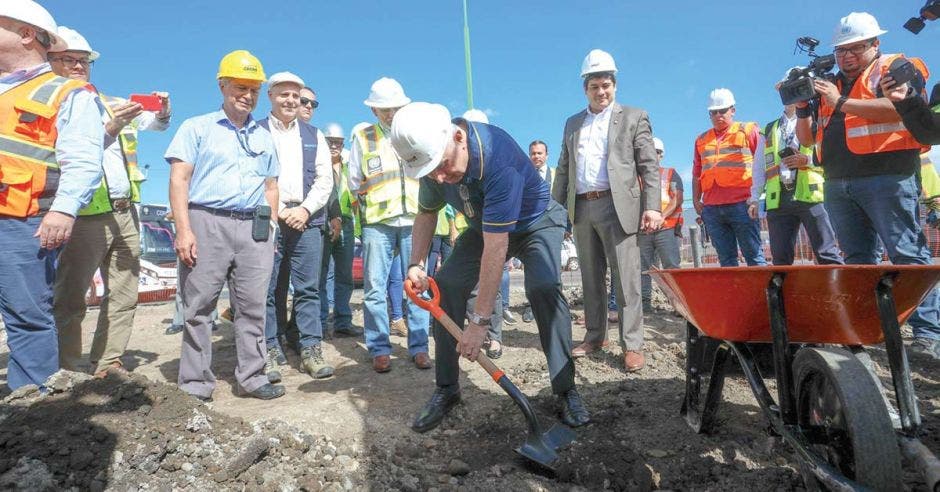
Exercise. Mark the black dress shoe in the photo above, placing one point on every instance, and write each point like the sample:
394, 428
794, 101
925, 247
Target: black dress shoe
267, 391
347, 331
573, 413
173, 329
443, 399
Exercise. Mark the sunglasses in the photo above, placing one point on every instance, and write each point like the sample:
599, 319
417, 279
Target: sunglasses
313, 103
713, 112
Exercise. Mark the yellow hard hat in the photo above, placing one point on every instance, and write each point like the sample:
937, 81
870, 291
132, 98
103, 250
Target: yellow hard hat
240, 64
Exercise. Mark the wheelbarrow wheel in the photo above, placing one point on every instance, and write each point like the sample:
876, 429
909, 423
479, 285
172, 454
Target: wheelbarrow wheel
842, 414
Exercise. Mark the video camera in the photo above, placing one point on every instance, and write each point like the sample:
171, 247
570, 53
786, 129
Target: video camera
799, 84
930, 11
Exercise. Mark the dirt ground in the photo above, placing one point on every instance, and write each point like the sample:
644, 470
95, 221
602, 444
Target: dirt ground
351, 432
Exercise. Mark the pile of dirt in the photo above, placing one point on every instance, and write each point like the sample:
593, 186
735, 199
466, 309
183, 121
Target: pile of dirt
126, 432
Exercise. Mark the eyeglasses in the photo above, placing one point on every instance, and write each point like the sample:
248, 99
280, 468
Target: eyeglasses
855, 50
313, 103
69, 61
713, 112
659, 152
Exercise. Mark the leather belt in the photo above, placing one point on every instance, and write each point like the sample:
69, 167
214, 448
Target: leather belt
292, 204
234, 214
593, 195
121, 204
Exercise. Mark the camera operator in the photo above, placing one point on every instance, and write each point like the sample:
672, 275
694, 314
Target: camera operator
922, 119
871, 161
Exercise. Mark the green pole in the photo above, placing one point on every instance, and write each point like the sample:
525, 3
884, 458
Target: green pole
466, 54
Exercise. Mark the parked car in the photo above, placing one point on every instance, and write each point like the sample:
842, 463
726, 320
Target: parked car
357, 264
569, 256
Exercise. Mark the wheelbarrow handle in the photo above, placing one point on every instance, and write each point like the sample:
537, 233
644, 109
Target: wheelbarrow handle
434, 307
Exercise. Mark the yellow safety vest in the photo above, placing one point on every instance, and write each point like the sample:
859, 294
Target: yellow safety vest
386, 192
809, 182
101, 201
929, 181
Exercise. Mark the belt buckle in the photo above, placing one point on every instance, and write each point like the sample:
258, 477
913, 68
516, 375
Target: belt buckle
120, 205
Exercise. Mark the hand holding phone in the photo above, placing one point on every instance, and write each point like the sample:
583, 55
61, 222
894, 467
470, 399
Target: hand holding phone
148, 101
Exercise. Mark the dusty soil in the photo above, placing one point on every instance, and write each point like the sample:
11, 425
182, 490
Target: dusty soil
351, 432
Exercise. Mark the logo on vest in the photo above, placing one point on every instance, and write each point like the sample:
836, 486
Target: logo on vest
374, 164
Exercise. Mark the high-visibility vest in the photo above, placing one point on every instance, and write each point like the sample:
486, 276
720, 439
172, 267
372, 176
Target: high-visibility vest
386, 192
342, 191
726, 162
443, 226
667, 194
929, 181
809, 182
863, 136
101, 201
29, 172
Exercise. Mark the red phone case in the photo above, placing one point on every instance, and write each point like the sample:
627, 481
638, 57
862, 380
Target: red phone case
149, 102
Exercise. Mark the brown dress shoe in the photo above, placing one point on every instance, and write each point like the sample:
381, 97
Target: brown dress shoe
422, 360
382, 363
114, 366
587, 348
633, 361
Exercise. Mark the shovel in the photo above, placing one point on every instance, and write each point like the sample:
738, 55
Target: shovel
539, 446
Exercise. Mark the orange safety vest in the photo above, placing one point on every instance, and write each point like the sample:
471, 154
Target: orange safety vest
726, 162
667, 195
868, 137
29, 173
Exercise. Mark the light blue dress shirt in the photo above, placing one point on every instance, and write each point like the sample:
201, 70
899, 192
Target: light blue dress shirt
78, 147
230, 164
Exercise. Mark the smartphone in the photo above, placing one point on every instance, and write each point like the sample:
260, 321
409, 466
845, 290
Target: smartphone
261, 224
902, 71
786, 152
148, 101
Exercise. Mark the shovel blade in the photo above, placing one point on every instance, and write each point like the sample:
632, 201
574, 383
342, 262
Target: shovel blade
540, 448
559, 436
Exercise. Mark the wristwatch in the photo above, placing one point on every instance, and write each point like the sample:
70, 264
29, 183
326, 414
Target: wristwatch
477, 319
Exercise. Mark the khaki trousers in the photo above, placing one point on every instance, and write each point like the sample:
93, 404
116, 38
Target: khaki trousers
111, 242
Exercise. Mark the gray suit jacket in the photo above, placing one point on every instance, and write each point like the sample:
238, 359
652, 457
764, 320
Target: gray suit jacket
630, 155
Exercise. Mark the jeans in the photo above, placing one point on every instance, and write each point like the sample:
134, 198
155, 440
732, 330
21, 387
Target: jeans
783, 226
664, 245
379, 242
504, 287
302, 253
396, 289
27, 274
336, 282
864, 209
730, 227
440, 248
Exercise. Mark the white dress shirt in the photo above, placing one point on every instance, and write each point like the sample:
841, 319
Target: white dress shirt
290, 183
115, 171
592, 152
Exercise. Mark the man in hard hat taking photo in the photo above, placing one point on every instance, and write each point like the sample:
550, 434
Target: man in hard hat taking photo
480, 170
224, 194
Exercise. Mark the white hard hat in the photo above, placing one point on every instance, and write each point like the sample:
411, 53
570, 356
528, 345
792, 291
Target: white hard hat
75, 42
720, 99
597, 61
658, 145
333, 130
476, 116
358, 127
386, 93
34, 14
281, 77
857, 26
420, 132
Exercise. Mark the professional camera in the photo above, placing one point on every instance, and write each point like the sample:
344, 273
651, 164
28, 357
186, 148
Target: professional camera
799, 84
930, 11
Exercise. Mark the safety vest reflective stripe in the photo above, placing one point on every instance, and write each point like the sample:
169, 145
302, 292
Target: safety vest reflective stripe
369, 183
371, 140
45, 93
29, 151
724, 164
875, 129
726, 151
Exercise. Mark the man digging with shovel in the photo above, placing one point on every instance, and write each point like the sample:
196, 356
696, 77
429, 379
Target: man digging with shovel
480, 170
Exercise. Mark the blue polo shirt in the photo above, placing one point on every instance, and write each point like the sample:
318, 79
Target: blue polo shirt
501, 190
230, 164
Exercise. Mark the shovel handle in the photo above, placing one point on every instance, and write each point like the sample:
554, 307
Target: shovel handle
434, 307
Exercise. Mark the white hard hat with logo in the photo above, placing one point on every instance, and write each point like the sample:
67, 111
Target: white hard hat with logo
282, 77
386, 93
420, 133
855, 27
720, 98
597, 61
74, 42
476, 116
658, 145
34, 14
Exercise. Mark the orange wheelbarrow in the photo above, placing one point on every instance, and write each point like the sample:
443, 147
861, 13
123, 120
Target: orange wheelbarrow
539, 447
828, 406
